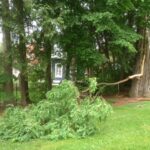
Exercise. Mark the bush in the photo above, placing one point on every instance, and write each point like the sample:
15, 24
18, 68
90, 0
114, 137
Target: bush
57, 117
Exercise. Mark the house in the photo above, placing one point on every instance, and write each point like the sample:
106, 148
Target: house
58, 58
58, 65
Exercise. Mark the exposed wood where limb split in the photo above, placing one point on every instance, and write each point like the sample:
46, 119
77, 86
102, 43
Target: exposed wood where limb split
124, 80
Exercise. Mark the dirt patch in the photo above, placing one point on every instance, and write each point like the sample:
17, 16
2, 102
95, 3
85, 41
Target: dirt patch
120, 100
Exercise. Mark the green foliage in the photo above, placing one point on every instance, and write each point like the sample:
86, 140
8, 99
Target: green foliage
57, 117
87, 117
3, 78
64, 91
64, 96
92, 85
36, 83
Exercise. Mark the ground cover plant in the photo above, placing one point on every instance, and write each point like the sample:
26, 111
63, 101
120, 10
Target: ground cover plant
127, 129
59, 116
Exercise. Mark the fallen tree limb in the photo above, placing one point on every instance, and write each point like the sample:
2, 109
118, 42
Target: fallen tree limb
124, 80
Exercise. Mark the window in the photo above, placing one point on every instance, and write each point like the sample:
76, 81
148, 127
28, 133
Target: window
58, 70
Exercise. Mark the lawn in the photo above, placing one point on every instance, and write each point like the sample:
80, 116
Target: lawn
127, 129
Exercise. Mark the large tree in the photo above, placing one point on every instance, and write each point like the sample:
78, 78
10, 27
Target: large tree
141, 86
20, 24
7, 49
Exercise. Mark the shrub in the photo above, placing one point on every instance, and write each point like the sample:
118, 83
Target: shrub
57, 117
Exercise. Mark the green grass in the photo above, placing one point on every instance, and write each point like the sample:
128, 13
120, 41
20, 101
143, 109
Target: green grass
127, 129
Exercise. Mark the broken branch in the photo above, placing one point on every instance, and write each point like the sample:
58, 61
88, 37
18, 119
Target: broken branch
124, 80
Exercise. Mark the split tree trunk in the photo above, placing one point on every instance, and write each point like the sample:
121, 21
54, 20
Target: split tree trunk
8, 86
20, 15
141, 87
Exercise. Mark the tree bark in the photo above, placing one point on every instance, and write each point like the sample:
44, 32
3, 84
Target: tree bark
141, 87
8, 86
20, 16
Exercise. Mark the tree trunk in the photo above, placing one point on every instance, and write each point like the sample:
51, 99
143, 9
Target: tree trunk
48, 68
20, 15
141, 87
8, 86
67, 76
48, 76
